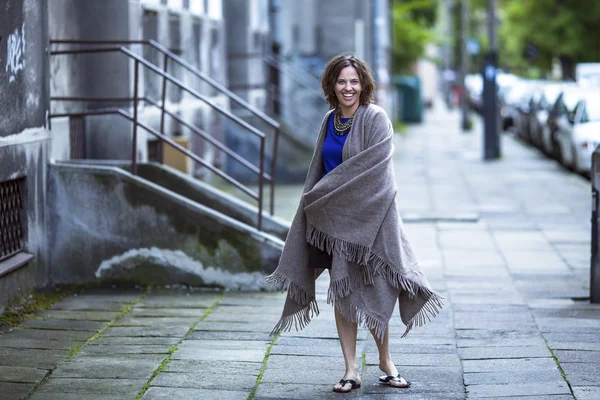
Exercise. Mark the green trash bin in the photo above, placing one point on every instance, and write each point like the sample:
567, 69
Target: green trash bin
409, 101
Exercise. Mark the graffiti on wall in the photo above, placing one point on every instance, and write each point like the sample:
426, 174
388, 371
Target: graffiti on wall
15, 53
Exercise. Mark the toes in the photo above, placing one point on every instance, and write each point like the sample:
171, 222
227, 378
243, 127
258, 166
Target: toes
399, 383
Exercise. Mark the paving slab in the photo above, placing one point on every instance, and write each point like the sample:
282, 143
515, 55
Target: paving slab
46, 334
107, 368
578, 356
33, 358
156, 321
135, 340
167, 312
164, 393
214, 381
519, 389
154, 331
256, 326
224, 335
66, 325
79, 315
586, 392
501, 342
14, 391
508, 378
80, 304
213, 367
489, 352
172, 301
39, 344
125, 349
21, 374
303, 391
511, 365
582, 374
191, 353
75, 396
126, 388
580, 346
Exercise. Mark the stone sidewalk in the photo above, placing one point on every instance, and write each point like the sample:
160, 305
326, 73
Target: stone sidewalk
506, 243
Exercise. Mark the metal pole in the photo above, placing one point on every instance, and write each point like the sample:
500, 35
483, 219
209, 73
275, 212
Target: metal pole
276, 50
274, 169
135, 121
491, 149
464, 63
162, 108
261, 183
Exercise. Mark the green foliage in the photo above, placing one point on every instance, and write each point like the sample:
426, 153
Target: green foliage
412, 29
566, 30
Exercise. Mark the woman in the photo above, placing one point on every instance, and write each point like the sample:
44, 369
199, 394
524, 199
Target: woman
347, 222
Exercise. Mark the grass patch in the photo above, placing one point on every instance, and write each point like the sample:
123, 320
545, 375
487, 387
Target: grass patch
174, 348
22, 309
363, 361
263, 368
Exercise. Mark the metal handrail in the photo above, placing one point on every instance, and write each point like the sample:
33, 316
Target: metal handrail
216, 85
164, 138
178, 83
177, 118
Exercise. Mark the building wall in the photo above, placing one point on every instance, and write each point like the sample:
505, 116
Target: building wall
23, 138
23, 66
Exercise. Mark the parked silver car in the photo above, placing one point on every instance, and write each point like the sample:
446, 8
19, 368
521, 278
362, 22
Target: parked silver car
541, 105
580, 134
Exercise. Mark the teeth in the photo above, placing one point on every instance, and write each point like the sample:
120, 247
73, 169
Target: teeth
347, 95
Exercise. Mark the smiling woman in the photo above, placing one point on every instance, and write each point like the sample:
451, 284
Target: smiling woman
348, 223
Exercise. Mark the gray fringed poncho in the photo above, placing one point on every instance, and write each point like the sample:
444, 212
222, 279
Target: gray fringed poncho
351, 213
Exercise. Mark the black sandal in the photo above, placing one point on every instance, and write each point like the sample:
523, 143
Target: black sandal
343, 382
387, 379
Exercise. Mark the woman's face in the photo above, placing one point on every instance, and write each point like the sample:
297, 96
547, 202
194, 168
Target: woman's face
347, 89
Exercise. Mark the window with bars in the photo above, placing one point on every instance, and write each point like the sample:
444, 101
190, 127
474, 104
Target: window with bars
11, 217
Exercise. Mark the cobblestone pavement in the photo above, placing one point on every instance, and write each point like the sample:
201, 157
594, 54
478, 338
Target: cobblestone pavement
505, 242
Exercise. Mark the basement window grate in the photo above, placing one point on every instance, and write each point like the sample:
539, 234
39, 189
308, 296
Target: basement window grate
11, 217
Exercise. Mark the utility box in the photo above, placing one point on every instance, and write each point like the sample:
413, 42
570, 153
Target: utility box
410, 102
595, 261
175, 158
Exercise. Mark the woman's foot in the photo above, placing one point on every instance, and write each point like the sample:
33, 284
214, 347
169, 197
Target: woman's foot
347, 383
392, 377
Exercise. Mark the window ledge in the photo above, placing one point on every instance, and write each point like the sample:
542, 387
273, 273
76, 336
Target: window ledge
15, 262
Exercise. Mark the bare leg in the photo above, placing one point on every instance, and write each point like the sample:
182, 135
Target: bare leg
385, 358
347, 331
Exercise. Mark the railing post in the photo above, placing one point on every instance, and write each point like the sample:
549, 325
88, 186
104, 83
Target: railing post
136, 72
162, 108
273, 170
261, 178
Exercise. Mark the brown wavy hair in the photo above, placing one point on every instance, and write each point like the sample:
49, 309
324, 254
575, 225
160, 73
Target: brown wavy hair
332, 72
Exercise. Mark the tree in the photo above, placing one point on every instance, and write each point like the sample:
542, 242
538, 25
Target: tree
535, 33
412, 23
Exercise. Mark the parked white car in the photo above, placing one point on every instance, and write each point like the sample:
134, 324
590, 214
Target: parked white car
577, 142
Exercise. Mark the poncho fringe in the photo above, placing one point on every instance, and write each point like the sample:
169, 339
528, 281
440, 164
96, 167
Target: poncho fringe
374, 265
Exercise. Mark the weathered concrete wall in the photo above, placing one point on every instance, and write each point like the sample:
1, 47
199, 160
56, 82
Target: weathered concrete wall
25, 155
95, 75
97, 213
23, 65
24, 142
209, 196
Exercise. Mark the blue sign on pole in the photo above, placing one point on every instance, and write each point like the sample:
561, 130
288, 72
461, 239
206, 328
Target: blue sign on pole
473, 46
